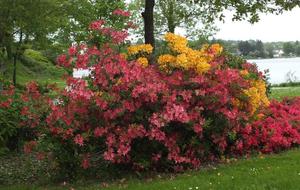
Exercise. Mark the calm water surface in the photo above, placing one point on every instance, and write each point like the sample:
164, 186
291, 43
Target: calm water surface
279, 68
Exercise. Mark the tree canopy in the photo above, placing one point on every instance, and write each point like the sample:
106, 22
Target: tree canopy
209, 11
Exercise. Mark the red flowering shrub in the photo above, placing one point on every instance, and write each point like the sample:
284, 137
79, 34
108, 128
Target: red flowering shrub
127, 112
277, 130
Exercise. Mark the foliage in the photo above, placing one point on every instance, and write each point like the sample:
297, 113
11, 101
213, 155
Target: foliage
35, 55
170, 15
195, 106
79, 14
245, 9
288, 48
9, 119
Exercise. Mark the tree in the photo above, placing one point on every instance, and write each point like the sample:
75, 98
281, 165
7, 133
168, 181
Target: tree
243, 10
78, 14
260, 49
149, 22
270, 51
288, 48
42, 23
245, 48
24, 20
297, 48
170, 15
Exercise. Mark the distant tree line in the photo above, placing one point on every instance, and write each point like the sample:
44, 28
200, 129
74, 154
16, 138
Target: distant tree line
259, 49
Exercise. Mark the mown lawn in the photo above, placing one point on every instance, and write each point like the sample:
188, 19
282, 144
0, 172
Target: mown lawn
280, 171
280, 92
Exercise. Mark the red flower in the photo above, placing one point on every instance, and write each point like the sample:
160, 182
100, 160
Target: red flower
78, 140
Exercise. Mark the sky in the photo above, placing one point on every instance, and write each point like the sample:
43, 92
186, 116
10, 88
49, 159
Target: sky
284, 27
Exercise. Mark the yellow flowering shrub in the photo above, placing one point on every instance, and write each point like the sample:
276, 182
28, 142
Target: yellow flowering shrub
187, 58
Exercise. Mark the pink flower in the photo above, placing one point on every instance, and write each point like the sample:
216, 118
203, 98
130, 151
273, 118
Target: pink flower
96, 25
121, 12
109, 155
85, 164
197, 129
118, 36
72, 50
29, 146
98, 132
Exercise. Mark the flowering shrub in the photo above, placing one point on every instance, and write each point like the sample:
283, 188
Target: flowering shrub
193, 106
19, 114
277, 130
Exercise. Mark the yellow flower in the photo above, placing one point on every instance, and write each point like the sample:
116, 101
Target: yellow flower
124, 55
165, 60
236, 103
187, 58
119, 81
257, 95
202, 67
244, 73
143, 61
216, 48
176, 43
181, 60
98, 93
136, 49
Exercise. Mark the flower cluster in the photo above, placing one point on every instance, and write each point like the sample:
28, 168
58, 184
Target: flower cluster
257, 95
187, 58
279, 129
143, 61
140, 49
120, 12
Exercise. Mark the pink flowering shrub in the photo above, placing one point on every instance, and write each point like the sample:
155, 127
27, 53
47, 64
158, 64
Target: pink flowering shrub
138, 115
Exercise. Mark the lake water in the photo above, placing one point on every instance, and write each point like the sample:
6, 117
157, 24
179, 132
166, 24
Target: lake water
279, 68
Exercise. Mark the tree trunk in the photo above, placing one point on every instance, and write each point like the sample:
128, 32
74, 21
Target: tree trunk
170, 17
15, 70
8, 49
16, 56
149, 22
171, 26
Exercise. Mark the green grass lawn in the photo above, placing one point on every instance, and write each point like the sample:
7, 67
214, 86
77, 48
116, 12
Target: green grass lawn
280, 171
280, 92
